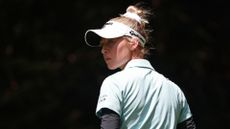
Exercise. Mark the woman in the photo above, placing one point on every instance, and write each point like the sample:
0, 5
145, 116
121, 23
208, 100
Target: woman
137, 97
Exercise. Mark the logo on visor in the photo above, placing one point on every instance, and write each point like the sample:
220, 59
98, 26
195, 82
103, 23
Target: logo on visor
107, 23
137, 35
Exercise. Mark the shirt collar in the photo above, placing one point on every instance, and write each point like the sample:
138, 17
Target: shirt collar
141, 63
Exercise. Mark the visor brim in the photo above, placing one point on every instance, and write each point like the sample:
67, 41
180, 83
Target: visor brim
93, 36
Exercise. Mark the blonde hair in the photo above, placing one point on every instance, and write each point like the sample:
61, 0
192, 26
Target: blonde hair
141, 26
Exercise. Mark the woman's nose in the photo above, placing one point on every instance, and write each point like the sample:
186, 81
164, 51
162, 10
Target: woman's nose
104, 50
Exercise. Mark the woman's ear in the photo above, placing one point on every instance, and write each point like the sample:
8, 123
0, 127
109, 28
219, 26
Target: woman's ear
133, 44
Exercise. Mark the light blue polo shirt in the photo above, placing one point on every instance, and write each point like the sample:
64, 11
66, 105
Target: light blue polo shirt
143, 98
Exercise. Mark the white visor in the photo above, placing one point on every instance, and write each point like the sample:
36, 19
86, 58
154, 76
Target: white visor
111, 29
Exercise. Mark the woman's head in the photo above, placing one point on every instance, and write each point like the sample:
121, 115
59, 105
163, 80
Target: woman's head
136, 17
122, 38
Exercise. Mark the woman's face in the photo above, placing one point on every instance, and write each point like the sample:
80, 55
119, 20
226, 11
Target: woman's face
116, 52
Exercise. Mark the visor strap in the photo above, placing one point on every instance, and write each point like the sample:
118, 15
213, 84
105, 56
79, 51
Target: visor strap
138, 35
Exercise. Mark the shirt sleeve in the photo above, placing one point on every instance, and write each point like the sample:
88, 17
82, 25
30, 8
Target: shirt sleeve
109, 97
185, 109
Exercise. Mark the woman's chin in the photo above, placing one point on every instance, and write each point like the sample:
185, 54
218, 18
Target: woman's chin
110, 67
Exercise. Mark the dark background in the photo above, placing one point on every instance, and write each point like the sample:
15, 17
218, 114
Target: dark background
49, 79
